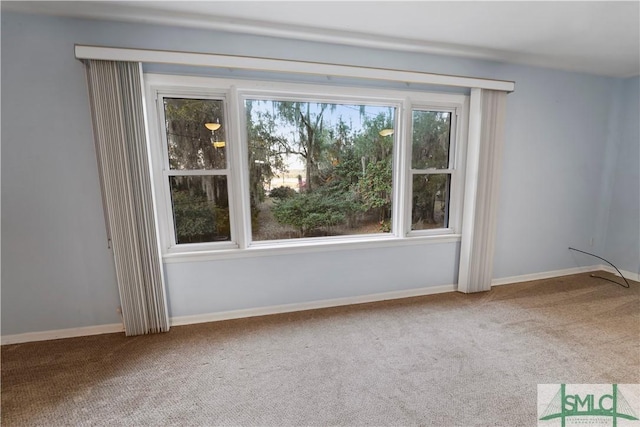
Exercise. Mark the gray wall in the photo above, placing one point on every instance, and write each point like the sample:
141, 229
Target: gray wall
56, 269
57, 272
622, 197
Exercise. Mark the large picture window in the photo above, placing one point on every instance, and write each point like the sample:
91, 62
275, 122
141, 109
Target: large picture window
319, 169
237, 166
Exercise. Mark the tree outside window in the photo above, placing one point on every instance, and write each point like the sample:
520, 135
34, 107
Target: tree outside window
319, 169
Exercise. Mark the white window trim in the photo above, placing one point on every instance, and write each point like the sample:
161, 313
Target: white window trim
161, 171
308, 247
312, 94
456, 167
237, 90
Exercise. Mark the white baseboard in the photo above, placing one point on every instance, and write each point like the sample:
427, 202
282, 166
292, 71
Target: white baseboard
544, 275
62, 333
627, 274
288, 308
559, 273
235, 314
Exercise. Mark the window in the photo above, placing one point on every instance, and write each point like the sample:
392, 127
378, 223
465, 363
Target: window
431, 169
319, 168
244, 165
196, 170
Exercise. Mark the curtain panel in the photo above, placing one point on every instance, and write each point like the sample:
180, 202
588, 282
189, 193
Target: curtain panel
116, 98
478, 241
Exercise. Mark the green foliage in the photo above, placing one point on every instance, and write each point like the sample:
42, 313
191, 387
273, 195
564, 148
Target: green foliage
201, 209
385, 226
310, 211
348, 170
429, 198
348, 167
369, 143
196, 218
223, 224
309, 123
430, 140
430, 149
189, 141
346, 173
282, 192
375, 187
266, 150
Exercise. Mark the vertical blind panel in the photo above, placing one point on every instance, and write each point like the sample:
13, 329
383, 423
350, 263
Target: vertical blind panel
486, 209
116, 101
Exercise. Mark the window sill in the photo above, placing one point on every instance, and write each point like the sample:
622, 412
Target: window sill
285, 248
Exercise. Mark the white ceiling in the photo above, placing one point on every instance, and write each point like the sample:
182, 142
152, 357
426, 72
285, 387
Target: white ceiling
593, 37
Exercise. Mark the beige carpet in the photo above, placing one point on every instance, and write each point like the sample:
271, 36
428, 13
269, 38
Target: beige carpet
441, 360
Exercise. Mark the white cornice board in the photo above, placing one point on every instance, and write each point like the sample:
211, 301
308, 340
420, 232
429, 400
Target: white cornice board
285, 66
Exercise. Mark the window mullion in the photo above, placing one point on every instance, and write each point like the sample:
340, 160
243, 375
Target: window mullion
239, 172
458, 128
402, 208
397, 189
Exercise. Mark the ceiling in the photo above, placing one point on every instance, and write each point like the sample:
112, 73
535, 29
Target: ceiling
594, 37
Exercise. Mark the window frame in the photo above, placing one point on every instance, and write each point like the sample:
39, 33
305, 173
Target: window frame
245, 94
166, 222
455, 169
234, 92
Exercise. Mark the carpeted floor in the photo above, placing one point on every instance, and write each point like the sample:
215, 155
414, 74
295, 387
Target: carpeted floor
440, 360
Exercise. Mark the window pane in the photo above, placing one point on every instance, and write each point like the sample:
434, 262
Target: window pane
196, 136
430, 201
319, 169
200, 208
431, 134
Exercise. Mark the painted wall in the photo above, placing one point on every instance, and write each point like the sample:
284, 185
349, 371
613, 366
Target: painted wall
207, 287
555, 143
58, 273
622, 194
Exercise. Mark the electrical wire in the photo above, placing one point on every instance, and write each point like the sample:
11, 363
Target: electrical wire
604, 278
